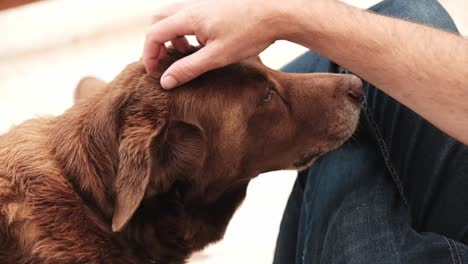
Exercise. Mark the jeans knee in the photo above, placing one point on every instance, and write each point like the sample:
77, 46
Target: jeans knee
428, 12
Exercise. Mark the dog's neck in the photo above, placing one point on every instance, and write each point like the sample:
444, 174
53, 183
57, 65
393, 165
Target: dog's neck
168, 222
84, 141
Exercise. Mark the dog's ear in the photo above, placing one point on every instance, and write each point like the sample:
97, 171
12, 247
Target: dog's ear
136, 166
142, 126
183, 153
151, 161
87, 87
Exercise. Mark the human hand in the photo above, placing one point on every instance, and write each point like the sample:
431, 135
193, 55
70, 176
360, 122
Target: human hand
228, 31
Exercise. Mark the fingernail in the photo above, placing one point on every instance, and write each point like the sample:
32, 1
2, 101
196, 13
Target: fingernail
168, 82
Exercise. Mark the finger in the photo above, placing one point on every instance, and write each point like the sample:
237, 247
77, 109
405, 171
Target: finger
152, 57
192, 66
162, 52
161, 32
170, 28
200, 41
181, 44
161, 55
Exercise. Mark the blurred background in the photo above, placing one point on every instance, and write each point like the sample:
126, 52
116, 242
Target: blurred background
47, 46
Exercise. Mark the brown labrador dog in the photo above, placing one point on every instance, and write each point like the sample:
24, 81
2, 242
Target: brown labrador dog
136, 174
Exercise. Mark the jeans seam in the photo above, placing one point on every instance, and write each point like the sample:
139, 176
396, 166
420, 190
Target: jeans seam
384, 149
456, 251
450, 249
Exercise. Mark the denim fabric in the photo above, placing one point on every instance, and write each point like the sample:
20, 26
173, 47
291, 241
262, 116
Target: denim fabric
398, 194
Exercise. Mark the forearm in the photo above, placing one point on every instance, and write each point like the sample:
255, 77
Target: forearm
423, 68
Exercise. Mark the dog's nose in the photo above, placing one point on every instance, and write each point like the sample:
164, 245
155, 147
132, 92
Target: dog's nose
354, 86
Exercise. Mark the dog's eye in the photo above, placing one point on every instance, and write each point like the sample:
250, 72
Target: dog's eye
269, 95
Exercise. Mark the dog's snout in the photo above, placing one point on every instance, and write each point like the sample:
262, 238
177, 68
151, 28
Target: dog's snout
354, 86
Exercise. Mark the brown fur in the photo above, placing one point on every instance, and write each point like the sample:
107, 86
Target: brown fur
133, 173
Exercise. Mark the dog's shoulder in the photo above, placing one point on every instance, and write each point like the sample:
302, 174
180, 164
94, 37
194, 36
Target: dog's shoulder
31, 188
24, 151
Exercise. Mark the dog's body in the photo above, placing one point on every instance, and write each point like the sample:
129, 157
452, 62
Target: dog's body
136, 174
43, 219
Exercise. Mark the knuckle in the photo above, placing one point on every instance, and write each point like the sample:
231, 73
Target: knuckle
189, 70
156, 18
149, 33
218, 58
191, 16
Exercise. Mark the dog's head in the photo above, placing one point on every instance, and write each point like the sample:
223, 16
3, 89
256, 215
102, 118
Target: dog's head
188, 154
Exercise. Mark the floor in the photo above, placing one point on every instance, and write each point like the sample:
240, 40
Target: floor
47, 47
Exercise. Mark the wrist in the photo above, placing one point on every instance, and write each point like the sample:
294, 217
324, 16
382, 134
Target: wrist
306, 20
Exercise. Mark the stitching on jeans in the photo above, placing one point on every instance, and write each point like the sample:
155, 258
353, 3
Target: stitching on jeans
456, 250
384, 150
450, 248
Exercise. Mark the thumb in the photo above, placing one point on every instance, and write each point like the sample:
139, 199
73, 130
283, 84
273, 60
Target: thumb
188, 68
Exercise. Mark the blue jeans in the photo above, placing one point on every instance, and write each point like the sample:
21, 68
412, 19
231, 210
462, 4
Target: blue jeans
397, 194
